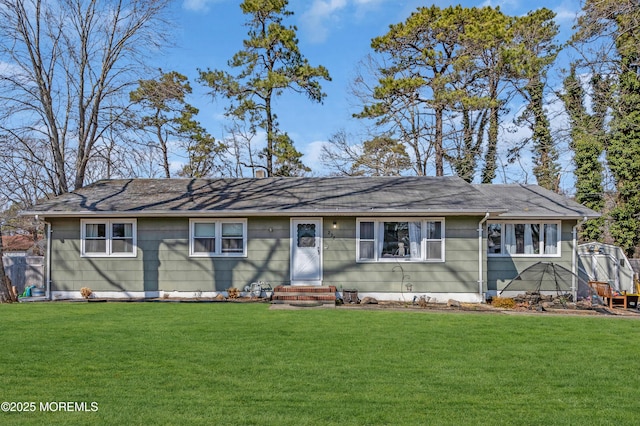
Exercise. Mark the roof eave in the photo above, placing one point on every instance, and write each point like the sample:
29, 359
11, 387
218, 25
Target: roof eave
255, 213
573, 216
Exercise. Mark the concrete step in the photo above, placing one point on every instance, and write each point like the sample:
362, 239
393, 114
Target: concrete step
304, 295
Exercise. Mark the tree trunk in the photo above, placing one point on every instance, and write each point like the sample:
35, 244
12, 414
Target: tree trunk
439, 142
6, 292
270, 136
490, 160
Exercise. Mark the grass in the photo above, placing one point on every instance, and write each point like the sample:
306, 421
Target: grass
188, 363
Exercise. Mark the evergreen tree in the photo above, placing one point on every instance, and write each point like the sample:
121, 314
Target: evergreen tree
381, 156
203, 151
422, 52
617, 22
587, 144
623, 154
487, 36
532, 53
165, 114
270, 63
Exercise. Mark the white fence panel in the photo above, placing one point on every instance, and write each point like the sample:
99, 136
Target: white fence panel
24, 270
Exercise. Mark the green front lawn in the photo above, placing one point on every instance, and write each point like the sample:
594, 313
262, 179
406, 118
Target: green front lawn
218, 363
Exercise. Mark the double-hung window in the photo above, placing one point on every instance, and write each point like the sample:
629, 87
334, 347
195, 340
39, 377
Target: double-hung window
108, 237
218, 237
406, 239
523, 239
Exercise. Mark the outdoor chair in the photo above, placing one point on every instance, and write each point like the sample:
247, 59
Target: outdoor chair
604, 290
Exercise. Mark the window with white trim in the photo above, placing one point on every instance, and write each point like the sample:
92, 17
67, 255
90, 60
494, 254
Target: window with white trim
108, 237
405, 239
523, 239
218, 237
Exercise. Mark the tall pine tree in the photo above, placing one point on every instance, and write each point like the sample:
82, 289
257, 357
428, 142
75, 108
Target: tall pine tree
617, 22
270, 63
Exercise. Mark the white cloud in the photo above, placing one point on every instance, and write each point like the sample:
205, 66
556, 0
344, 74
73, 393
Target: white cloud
312, 153
323, 15
176, 166
501, 3
565, 14
198, 5
7, 68
316, 20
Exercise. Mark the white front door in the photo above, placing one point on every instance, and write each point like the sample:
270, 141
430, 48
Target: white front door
306, 251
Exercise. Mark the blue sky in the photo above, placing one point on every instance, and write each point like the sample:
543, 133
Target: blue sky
333, 33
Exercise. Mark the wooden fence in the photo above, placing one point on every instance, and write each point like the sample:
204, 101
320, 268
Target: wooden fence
24, 271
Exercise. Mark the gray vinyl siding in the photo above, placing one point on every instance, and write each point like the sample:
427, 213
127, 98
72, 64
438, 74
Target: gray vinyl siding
168, 267
501, 270
69, 271
163, 263
459, 273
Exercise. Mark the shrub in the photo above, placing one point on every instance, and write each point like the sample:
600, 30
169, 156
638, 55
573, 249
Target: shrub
503, 302
86, 292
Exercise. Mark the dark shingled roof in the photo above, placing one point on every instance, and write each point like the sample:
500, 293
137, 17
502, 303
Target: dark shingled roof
533, 201
305, 196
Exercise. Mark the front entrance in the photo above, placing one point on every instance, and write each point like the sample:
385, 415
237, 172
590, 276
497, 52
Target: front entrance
306, 251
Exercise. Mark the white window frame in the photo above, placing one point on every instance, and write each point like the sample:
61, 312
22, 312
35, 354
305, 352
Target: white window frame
423, 240
108, 237
218, 238
541, 242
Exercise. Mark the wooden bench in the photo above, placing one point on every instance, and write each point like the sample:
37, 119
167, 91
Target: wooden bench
604, 290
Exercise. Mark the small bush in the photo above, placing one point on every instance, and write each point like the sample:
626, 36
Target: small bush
503, 302
234, 293
86, 292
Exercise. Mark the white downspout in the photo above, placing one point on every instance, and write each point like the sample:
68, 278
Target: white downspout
480, 252
574, 255
48, 262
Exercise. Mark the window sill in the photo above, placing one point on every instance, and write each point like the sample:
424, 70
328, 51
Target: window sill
217, 255
109, 256
399, 259
523, 256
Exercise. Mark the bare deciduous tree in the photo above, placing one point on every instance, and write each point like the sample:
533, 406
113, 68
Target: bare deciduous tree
380, 156
396, 113
242, 150
339, 155
67, 69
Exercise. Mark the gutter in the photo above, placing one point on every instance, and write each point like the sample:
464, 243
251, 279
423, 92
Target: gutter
47, 267
256, 212
574, 255
480, 256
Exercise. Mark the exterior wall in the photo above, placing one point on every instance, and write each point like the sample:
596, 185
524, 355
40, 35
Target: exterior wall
165, 250
70, 272
501, 270
163, 265
458, 274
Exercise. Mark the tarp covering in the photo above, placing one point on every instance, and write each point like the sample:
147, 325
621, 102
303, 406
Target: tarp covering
548, 277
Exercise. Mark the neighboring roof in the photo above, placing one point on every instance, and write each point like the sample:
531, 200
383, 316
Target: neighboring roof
17, 242
298, 196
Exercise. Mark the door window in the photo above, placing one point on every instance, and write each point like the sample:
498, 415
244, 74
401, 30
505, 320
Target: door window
306, 235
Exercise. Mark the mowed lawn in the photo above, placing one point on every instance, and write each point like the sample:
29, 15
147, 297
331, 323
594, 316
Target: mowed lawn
232, 363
